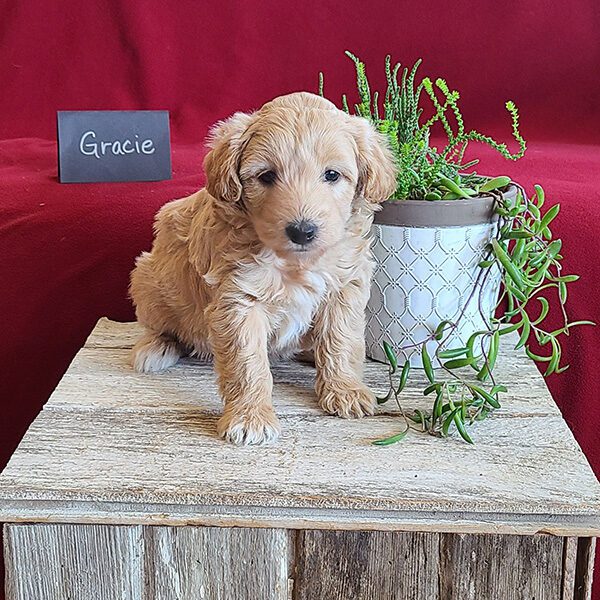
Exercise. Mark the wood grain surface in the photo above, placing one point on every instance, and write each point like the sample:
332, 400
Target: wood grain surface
83, 562
367, 565
56, 562
401, 566
501, 567
113, 446
95, 562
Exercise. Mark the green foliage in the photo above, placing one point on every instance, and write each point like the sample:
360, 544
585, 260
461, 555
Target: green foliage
529, 260
524, 251
424, 171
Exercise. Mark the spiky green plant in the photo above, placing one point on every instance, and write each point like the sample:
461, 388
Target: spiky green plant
425, 172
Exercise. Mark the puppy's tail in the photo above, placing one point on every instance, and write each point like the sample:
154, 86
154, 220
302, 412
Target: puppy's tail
155, 352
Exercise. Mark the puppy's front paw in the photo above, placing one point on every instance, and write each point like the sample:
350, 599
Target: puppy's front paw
348, 401
250, 427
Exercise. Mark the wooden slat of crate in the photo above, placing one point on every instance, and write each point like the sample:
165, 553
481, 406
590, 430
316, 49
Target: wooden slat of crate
136, 562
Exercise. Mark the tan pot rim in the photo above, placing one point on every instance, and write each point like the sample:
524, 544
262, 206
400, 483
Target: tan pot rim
441, 213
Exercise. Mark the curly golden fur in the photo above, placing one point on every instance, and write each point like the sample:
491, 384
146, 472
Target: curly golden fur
225, 277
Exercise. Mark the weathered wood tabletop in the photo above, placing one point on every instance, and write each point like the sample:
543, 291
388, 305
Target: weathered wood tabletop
123, 448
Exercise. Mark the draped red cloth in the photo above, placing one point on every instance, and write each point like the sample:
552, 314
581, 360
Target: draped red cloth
66, 250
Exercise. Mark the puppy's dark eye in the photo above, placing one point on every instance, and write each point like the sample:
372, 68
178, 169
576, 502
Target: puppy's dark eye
268, 177
331, 175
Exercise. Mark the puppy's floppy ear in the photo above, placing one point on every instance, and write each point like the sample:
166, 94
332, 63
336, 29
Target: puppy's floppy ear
222, 162
376, 163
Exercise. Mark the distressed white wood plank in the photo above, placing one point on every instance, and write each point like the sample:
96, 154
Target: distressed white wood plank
103, 365
220, 515
191, 384
83, 562
112, 437
172, 458
55, 562
171, 454
111, 334
387, 566
211, 563
569, 568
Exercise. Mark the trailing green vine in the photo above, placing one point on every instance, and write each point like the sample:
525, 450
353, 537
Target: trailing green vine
464, 387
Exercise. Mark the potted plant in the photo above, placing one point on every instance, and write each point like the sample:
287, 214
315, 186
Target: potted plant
460, 258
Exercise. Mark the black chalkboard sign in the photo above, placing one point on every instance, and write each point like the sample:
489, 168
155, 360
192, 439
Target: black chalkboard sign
113, 145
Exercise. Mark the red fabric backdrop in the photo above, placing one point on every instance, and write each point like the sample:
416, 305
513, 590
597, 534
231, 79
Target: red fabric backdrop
203, 60
66, 250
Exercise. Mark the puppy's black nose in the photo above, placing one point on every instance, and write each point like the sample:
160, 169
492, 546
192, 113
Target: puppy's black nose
301, 232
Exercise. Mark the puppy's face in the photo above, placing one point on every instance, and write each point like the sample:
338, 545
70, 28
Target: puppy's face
299, 167
299, 176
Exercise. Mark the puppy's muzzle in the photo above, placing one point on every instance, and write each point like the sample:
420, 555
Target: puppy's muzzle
301, 232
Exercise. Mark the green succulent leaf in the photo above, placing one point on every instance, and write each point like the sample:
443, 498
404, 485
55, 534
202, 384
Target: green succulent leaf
537, 357
439, 331
498, 388
495, 183
433, 387
383, 399
391, 356
562, 292
426, 360
458, 421
519, 234
438, 408
486, 396
453, 187
448, 421
539, 192
393, 439
549, 216
510, 328
453, 352
508, 265
457, 363
525, 332
418, 417
403, 377
544, 310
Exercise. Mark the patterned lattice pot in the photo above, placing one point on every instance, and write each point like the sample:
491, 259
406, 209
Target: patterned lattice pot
426, 271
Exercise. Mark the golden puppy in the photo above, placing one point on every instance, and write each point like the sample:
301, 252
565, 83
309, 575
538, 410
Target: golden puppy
272, 257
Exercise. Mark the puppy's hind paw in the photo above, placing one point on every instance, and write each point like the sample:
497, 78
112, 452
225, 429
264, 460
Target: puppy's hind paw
348, 402
253, 427
155, 352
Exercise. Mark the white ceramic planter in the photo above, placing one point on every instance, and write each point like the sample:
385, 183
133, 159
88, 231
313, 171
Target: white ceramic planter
427, 255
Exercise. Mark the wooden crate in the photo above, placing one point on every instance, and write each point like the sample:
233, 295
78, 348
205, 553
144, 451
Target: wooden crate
121, 489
